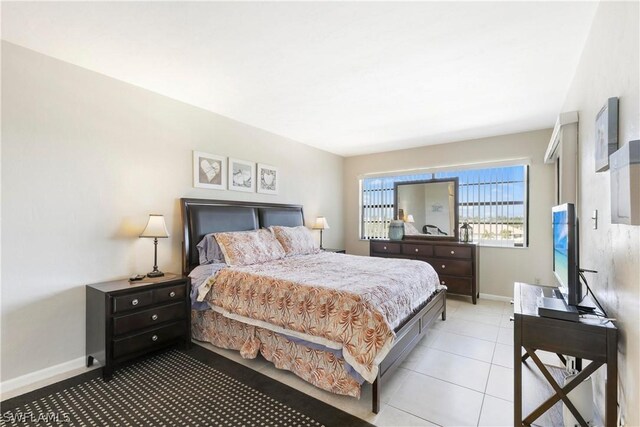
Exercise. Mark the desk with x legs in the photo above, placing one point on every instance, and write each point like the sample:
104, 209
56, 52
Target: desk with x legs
586, 339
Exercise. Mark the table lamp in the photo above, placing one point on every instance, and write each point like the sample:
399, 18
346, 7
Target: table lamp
409, 218
155, 228
321, 224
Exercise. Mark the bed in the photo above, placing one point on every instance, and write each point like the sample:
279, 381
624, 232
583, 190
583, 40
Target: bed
326, 350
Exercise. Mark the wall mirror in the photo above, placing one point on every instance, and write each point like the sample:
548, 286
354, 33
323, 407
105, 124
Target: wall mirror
429, 208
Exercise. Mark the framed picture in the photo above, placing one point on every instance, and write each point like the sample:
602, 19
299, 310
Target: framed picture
268, 179
242, 175
209, 171
606, 139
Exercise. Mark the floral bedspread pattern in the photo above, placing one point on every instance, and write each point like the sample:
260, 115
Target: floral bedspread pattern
320, 368
351, 300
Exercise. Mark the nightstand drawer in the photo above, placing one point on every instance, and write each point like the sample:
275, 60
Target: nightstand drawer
131, 301
148, 340
453, 252
417, 250
452, 267
457, 285
146, 318
169, 293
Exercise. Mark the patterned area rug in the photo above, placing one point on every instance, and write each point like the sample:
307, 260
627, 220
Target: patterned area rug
175, 388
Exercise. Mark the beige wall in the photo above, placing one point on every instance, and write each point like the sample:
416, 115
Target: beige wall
499, 267
85, 159
609, 67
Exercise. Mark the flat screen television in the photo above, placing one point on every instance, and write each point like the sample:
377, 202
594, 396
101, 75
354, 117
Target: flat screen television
565, 252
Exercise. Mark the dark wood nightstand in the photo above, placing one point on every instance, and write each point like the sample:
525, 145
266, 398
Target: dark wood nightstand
126, 320
337, 251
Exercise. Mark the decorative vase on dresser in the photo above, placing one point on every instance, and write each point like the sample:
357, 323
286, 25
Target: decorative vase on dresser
455, 262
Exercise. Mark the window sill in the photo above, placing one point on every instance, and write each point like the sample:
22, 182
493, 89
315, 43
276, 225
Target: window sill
482, 245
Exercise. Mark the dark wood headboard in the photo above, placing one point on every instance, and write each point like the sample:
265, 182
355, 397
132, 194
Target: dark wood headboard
202, 216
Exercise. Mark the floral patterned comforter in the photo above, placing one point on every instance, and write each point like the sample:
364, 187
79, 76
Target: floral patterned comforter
354, 301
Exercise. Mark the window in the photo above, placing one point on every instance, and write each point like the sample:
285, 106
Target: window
492, 200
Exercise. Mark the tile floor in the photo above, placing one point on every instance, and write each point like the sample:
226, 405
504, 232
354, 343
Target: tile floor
460, 374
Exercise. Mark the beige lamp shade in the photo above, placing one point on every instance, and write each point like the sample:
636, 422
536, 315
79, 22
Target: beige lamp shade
155, 227
321, 224
409, 218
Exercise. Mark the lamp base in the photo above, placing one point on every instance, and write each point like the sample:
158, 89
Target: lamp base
155, 273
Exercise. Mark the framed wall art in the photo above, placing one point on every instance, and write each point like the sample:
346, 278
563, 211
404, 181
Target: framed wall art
606, 138
242, 175
209, 171
268, 179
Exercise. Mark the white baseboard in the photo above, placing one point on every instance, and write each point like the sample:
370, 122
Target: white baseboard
34, 380
496, 297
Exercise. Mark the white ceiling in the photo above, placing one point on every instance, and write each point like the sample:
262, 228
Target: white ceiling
350, 78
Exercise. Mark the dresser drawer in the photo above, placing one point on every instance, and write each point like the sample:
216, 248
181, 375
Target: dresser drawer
452, 267
169, 293
131, 301
386, 248
143, 319
148, 340
453, 252
457, 285
417, 250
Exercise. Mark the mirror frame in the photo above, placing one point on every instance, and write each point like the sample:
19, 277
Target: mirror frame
456, 231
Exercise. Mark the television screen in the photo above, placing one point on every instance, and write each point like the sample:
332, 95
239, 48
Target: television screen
565, 252
561, 247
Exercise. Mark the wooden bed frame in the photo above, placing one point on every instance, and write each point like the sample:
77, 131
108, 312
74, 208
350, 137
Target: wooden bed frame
202, 216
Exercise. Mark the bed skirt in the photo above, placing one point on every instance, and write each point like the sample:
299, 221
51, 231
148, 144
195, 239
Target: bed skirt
321, 368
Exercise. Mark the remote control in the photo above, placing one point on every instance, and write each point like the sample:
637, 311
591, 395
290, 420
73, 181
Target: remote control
136, 277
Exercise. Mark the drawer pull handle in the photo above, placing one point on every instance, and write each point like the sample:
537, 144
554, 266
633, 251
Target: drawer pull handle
154, 317
154, 338
416, 249
135, 302
444, 266
453, 252
385, 248
172, 294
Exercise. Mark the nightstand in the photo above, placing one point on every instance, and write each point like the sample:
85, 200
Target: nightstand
337, 251
127, 320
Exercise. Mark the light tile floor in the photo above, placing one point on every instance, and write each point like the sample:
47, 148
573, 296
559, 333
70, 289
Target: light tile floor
460, 374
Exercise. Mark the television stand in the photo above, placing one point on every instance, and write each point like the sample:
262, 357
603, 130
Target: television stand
588, 339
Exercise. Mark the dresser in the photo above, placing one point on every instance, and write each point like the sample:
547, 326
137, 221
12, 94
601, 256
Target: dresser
126, 320
456, 263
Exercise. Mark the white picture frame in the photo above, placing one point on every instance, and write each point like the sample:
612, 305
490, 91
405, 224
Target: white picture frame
268, 179
606, 138
209, 171
242, 175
